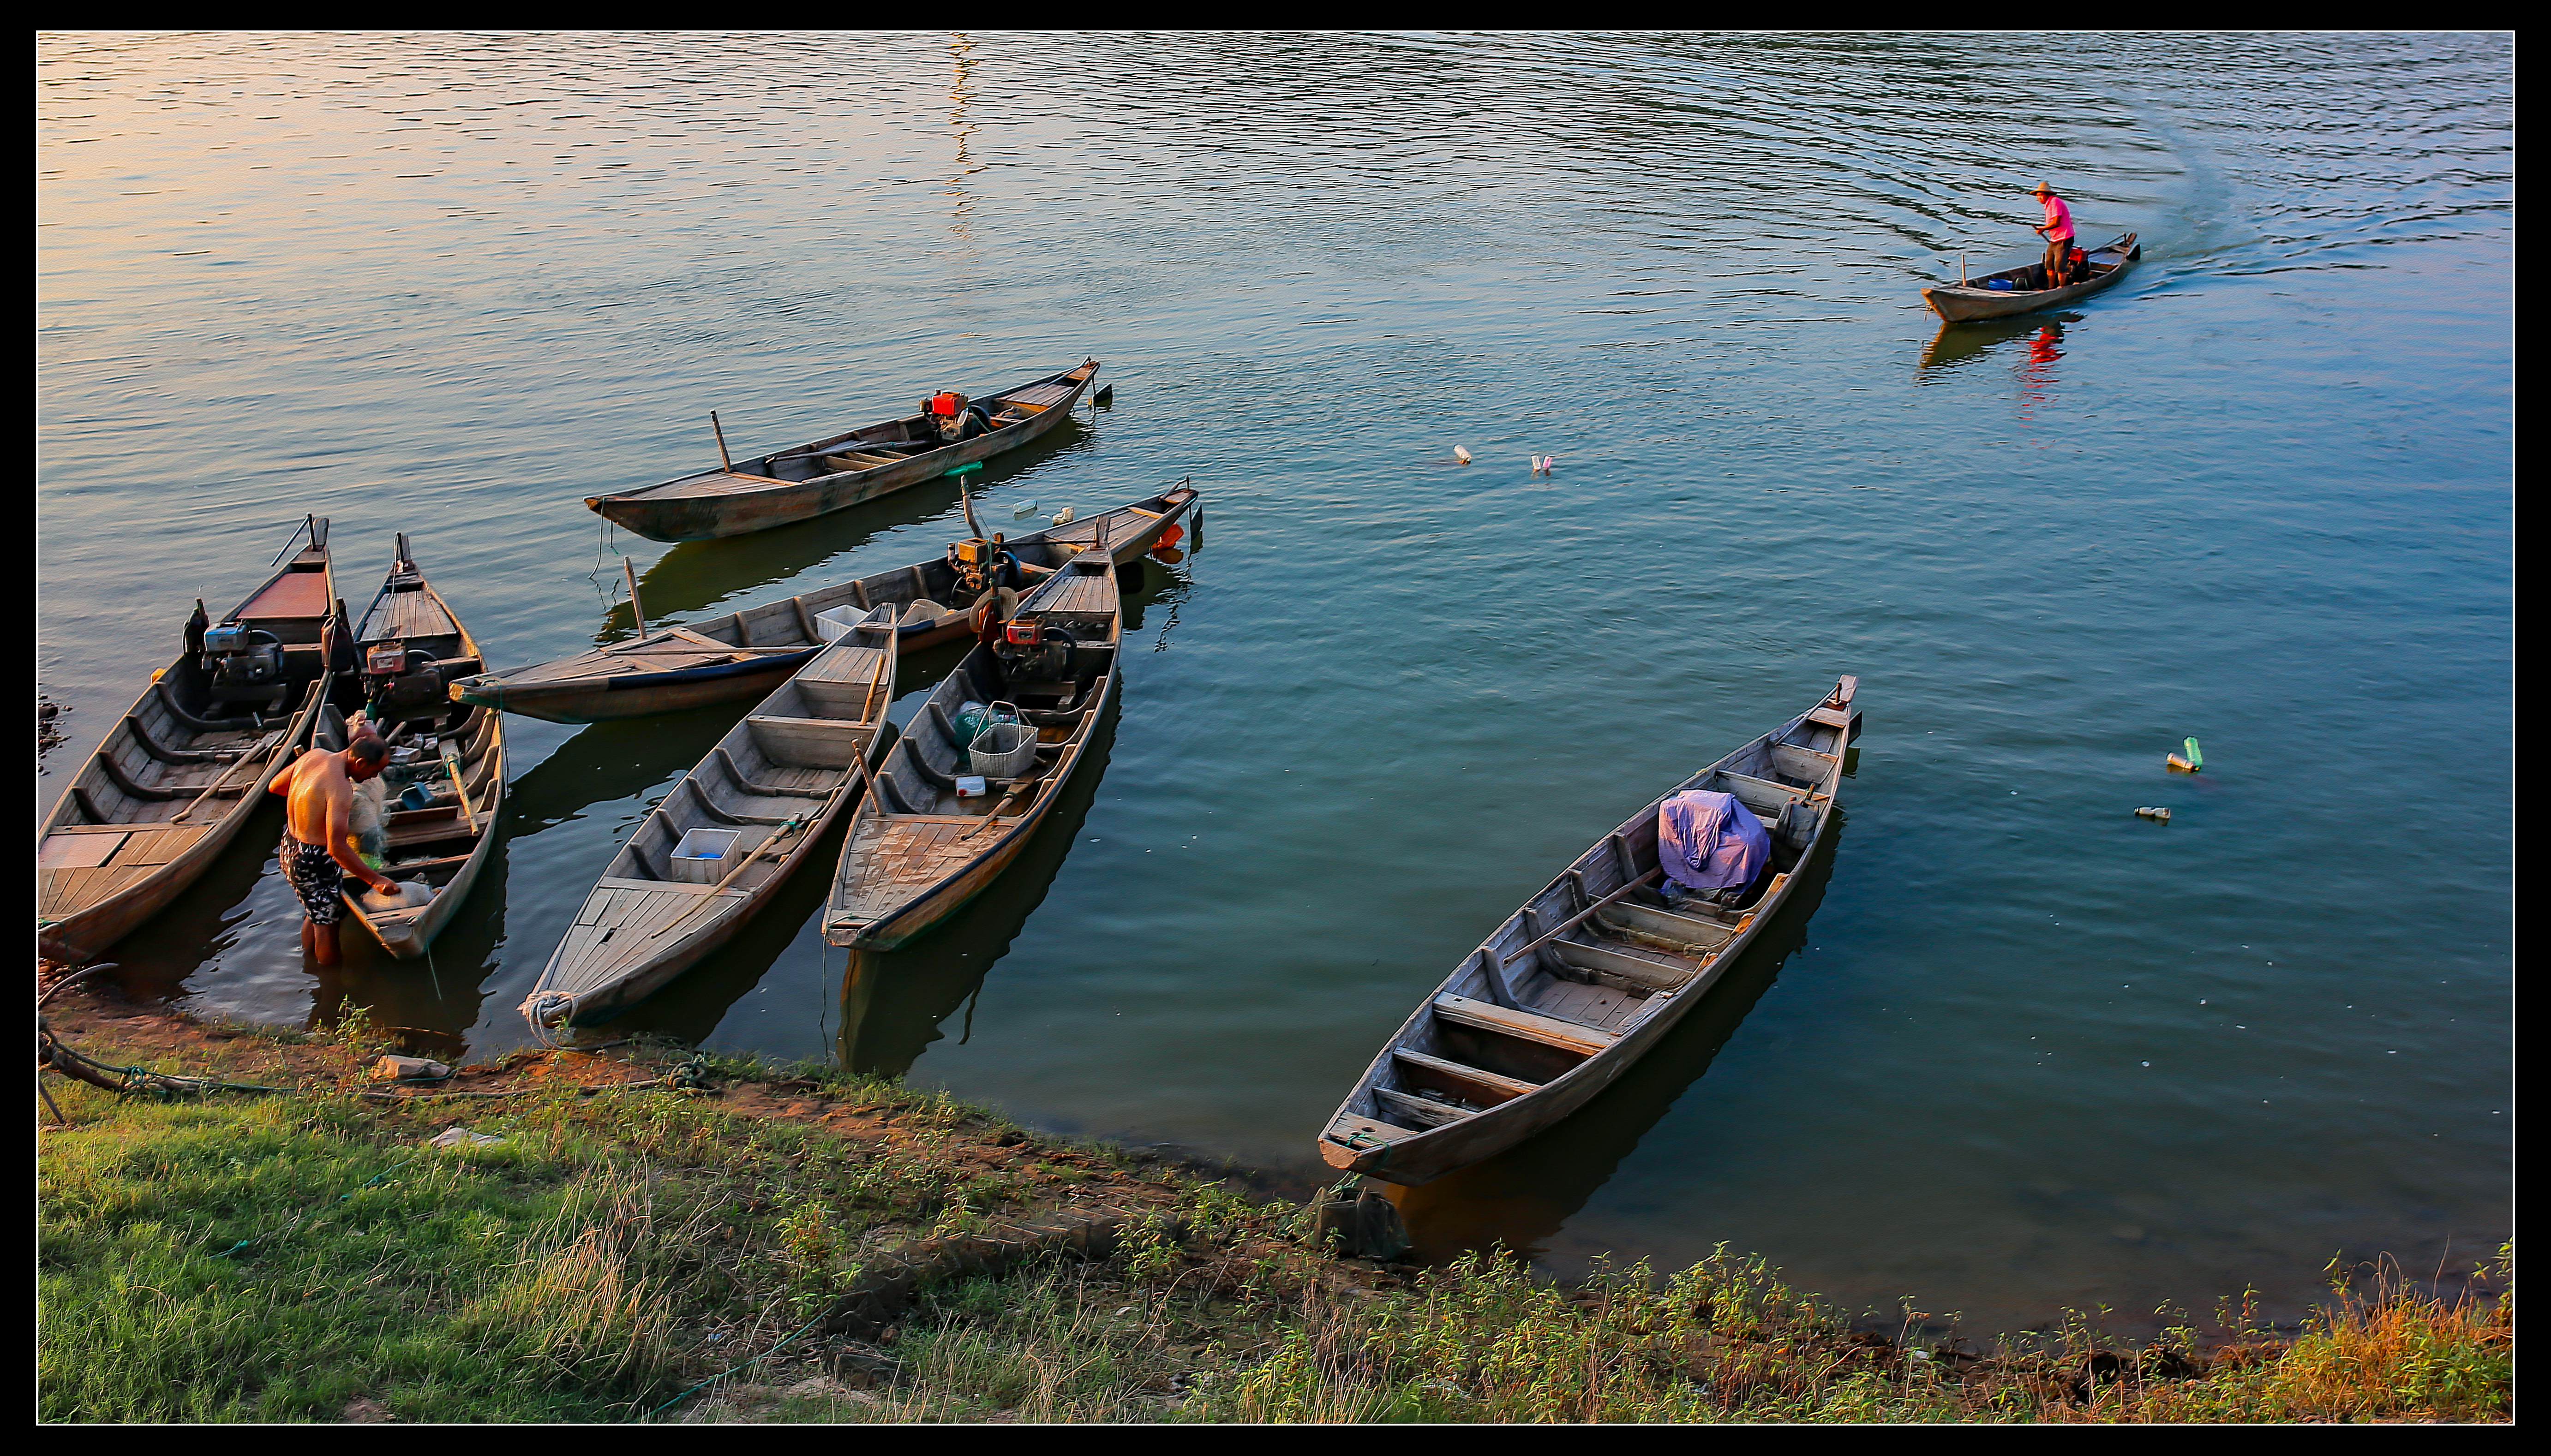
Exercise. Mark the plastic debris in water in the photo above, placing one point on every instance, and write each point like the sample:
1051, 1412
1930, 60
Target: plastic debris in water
2194, 763
1023, 508
2158, 816
1062, 517
1461, 454
1541, 463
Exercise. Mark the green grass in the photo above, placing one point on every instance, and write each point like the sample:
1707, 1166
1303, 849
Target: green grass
299, 1258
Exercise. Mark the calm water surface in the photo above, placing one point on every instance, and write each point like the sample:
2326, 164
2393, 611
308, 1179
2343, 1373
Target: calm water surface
2016, 1049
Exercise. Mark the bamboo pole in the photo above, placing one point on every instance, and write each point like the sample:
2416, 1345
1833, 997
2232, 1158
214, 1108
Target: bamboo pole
723, 458
630, 570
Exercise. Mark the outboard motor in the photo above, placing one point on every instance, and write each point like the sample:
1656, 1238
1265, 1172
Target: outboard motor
955, 418
1034, 651
245, 665
969, 561
400, 683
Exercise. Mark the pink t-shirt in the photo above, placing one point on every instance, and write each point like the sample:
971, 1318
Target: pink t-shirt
2058, 219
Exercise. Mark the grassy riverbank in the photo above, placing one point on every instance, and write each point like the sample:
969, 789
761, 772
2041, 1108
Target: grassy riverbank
635, 1236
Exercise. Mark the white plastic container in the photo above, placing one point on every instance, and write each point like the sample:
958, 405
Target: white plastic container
837, 623
970, 786
701, 856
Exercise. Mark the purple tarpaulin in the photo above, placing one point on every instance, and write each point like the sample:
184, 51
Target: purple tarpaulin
1710, 841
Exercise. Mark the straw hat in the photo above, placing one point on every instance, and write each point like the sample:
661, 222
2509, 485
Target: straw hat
2040, 190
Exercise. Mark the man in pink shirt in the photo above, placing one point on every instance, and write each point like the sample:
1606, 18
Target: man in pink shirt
2057, 233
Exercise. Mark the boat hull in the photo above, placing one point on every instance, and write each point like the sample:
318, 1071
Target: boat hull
1388, 1130
708, 516
605, 698
935, 906
1960, 305
88, 933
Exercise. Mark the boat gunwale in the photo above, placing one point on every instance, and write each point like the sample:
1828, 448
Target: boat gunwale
674, 490
1646, 1027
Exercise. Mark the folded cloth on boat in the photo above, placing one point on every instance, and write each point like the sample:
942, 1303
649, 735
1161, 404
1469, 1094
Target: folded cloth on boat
1710, 841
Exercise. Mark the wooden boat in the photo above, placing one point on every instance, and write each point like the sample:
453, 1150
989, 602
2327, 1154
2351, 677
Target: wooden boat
921, 851
182, 774
809, 481
1958, 302
773, 784
1576, 985
745, 653
411, 642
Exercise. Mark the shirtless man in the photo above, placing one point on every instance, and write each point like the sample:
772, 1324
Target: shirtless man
319, 849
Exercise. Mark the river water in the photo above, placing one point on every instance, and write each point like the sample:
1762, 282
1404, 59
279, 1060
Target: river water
2016, 1049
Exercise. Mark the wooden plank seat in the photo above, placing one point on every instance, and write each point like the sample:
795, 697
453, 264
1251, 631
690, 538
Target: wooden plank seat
701, 800
1677, 935
133, 787
1496, 1086
1422, 1110
1617, 964
1348, 1125
760, 789
165, 754
1526, 1026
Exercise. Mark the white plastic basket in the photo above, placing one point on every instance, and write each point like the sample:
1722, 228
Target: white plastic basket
703, 858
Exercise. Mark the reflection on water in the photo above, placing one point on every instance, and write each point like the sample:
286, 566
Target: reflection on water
693, 576
1957, 343
894, 1002
2032, 1051
1523, 1196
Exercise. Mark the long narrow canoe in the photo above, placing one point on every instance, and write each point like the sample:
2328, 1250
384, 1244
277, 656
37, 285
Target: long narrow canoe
825, 475
182, 775
745, 653
1959, 301
444, 844
776, 782
922, 851
1582, 981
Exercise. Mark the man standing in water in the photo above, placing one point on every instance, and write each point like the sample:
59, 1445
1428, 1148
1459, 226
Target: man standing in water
2057, 230
319, 849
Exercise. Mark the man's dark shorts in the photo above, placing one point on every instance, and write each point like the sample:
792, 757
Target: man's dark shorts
315, 876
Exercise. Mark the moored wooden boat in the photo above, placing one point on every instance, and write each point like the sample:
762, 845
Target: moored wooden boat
1976, 299
1582, 980
768, 790
411, 643
841, 470
174, 782
745, 653
920, 851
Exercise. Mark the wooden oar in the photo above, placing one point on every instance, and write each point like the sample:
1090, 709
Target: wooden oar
1579, 919
263, 744
783, 833
460, 791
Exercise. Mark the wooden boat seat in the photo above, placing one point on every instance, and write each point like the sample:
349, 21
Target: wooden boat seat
1424, 1112
136, 790
1649, 972
1349, 1126
859, 460
722, 813
1497, 1087
1684, 935
165, 754
1527, 1025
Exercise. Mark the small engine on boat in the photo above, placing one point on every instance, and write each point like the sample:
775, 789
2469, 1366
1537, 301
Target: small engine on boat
955, 418
969, 560
401, 682
245, 665
1031, 650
